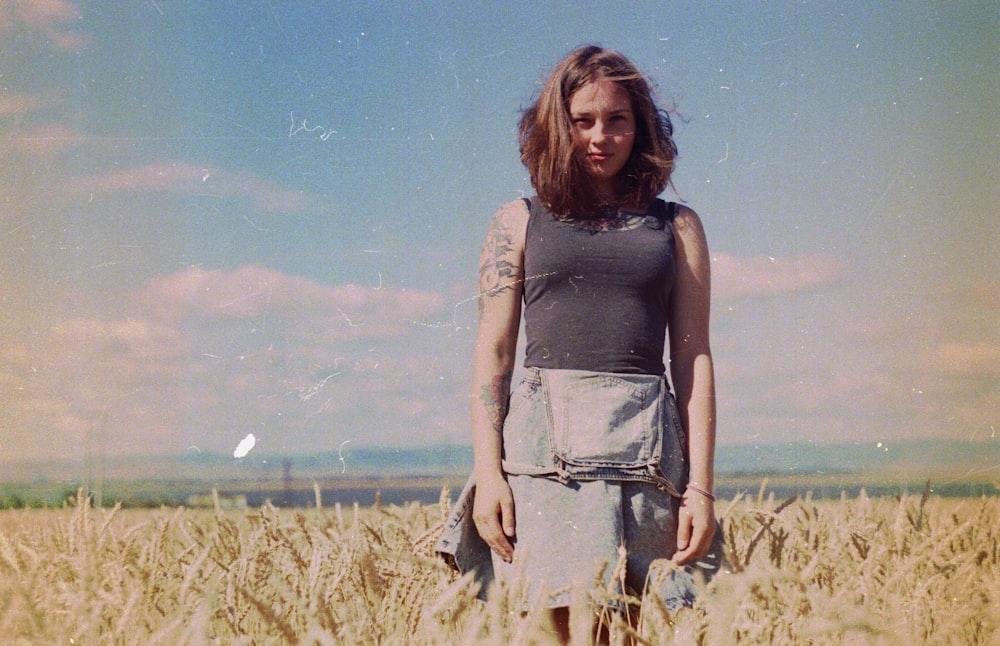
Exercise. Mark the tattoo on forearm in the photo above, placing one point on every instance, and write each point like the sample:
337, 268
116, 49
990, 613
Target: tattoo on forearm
494, 397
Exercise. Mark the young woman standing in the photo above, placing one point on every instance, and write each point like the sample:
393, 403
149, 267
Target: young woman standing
592, 452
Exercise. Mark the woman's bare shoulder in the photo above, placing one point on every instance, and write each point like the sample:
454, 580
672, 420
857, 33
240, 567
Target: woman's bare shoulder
688, 228
515, 211
510, 222
687, 224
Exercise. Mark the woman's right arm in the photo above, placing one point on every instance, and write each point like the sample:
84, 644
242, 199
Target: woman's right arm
501, 284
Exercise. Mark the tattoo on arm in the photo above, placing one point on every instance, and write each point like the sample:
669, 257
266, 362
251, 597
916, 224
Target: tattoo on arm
497, 272
494, 397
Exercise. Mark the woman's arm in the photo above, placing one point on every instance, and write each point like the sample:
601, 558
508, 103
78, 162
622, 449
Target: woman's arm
693, 376
501, 284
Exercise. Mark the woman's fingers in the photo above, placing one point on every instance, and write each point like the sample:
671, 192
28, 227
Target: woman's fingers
683, 530
490, 530
507, 517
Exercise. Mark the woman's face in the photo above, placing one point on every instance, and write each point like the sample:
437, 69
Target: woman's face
603, 130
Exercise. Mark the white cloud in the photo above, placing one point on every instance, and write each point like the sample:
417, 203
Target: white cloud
48, 23
13, 104
185, 178
971, 359
47, 140
250, 291
737, 276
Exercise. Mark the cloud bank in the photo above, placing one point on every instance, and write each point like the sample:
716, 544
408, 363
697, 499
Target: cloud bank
204, 355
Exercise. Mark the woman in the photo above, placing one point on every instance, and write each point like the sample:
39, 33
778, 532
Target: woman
591, 451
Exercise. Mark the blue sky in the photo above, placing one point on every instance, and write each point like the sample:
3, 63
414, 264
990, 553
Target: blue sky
220, 218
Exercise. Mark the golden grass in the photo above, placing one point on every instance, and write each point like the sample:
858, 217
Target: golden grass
858, 571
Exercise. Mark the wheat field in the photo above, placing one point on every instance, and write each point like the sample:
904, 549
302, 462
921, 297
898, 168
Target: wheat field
915, 570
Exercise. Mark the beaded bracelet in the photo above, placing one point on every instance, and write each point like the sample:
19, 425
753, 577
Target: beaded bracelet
701, 491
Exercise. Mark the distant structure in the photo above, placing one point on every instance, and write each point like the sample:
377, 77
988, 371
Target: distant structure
210, 501
286, 474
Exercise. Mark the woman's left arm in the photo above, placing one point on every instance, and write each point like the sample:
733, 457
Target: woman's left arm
693, 377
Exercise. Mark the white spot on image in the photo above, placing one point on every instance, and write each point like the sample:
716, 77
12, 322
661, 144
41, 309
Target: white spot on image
245, 445
340, 454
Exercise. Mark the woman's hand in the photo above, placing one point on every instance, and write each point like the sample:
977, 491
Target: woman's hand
493, 513
696, 527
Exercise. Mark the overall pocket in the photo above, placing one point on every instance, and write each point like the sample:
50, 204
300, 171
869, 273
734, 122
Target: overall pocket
603, 419
525, 441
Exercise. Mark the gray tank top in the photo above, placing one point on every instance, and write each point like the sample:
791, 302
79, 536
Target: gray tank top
596, 299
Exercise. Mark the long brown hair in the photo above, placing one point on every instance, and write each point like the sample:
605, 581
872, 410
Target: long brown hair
557, 170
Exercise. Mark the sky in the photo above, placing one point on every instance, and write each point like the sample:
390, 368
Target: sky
221, 218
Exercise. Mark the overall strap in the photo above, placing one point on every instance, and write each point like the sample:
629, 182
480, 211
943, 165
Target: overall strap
664, 209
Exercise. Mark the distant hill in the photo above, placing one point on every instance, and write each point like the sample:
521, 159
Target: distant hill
914, 458
917, 459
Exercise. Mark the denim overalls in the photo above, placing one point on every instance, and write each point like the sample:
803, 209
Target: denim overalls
583, 425
576, 425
